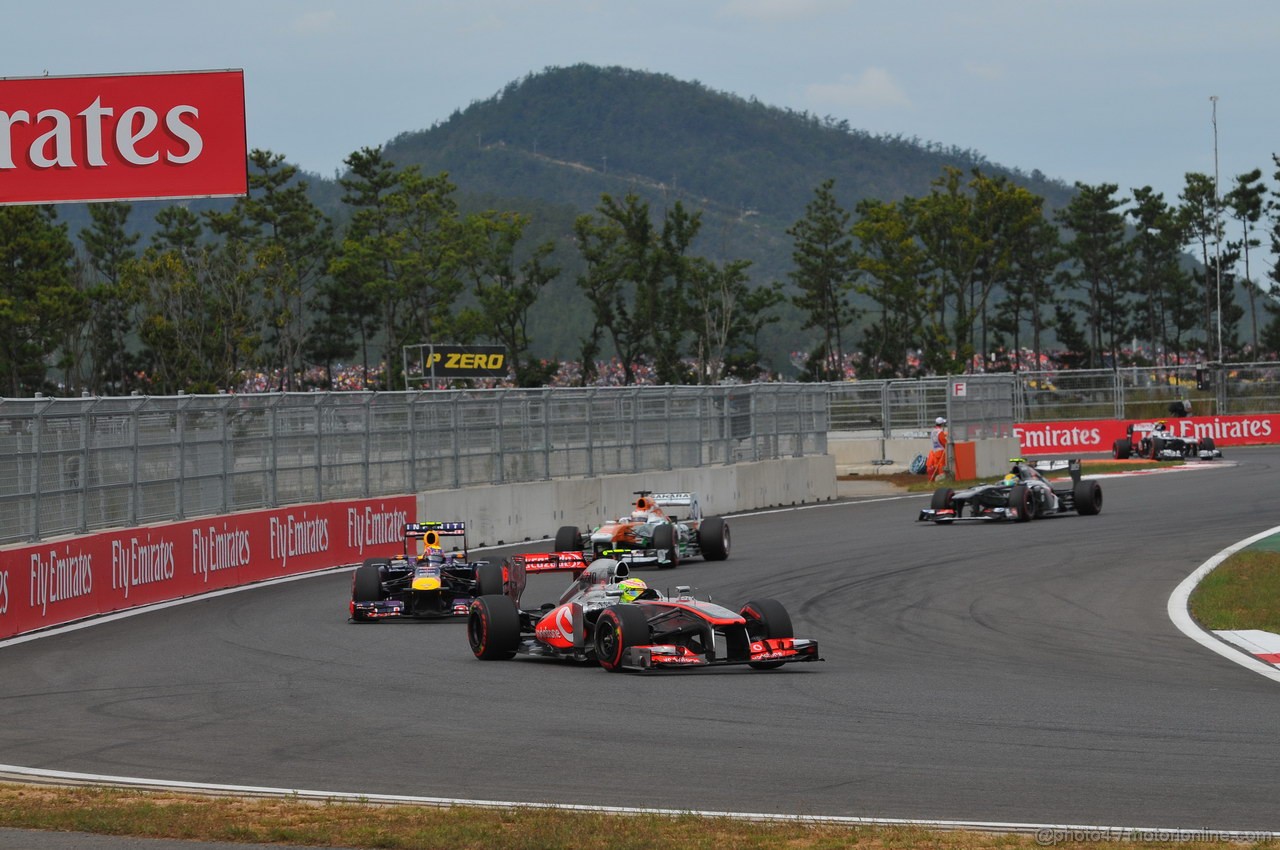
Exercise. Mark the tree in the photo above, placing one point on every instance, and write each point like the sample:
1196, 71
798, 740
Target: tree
1102, 266
505, 291
289, 242
727, 316
1164, 290
825, 269
361, 289
1201, 213
39, 305
626, 264
427, 249
1035, 254
109, 246
957, 243
1245, 200
896, 275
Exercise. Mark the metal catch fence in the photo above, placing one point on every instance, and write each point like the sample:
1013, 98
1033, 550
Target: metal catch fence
900, 408
69, 466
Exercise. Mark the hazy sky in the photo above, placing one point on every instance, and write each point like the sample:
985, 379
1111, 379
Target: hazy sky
1114, 91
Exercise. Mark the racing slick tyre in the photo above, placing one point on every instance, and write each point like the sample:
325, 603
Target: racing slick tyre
766, 618
493, 628
942, 499
1088, 497
664, 540
713, 538
1022, 501
489, 579
1156, 447
1207, 444
366, 586
568, 539
1121, 449
617, 628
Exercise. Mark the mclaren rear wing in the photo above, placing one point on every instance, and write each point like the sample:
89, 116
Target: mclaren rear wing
517, 567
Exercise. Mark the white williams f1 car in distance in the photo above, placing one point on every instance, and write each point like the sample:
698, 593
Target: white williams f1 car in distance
1024, 494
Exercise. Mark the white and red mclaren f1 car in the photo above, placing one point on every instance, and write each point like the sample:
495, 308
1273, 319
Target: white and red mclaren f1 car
654, 632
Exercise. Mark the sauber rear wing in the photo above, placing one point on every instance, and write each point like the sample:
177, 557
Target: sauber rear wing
1072, 465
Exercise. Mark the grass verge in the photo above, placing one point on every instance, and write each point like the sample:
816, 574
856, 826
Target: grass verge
276, 821
1243, 592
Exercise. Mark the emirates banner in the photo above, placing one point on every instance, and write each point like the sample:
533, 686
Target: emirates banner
48, 584
1098, 435
123, 137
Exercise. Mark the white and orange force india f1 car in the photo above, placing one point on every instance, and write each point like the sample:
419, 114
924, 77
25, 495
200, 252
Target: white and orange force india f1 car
662, 529
655, 632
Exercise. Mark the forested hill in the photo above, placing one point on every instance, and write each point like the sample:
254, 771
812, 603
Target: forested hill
568, 135
554, 142
550, 145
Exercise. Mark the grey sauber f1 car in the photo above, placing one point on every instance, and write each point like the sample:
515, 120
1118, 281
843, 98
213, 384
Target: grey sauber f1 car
591, 623
662, 529
428, 584
1024, 494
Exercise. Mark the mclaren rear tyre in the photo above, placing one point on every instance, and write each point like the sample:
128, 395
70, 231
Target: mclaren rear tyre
489, 581
1088, 497
493, 628
568, 539
1022, 501
664, 541
366, 586
1121, 449
713, 538
766, 618
618, 628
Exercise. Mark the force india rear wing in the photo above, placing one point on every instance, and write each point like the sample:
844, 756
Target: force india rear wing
679, 500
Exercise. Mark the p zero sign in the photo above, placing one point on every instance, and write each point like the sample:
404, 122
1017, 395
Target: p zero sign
122, 137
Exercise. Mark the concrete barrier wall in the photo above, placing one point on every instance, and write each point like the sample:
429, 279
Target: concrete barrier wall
855, 455
992, 456
514, 513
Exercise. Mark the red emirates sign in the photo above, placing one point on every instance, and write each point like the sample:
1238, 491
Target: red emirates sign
122, 137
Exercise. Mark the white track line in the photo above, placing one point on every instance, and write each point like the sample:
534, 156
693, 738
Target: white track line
1046, 833
1181, 617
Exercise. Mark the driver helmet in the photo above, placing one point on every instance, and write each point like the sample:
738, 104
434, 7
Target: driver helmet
1160, 425
1011, 478
632, 588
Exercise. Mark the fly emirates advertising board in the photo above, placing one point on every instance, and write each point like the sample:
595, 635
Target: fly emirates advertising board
122, 137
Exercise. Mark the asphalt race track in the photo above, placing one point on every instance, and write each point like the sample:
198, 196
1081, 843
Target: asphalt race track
994, 673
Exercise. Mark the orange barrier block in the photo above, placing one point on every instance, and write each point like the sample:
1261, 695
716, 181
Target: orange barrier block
966, 461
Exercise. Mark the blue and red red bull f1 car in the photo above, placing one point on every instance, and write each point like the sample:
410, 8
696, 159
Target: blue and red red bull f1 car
429, 583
